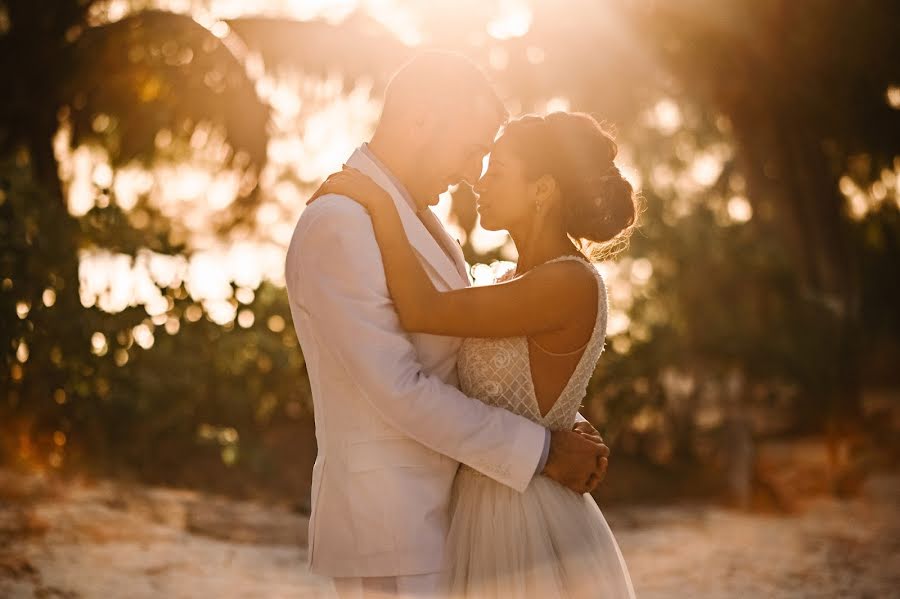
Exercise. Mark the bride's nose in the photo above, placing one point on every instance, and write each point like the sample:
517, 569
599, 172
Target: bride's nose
479, 186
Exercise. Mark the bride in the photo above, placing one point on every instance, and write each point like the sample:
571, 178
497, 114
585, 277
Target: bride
532, 341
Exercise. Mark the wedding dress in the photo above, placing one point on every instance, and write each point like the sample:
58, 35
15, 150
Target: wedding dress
549, 541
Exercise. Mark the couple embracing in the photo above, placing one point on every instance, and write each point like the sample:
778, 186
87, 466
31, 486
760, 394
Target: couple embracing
452, 460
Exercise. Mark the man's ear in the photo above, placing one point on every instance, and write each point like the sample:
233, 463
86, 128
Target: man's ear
420, 118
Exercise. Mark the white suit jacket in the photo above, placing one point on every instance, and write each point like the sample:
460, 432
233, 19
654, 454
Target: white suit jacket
391, 426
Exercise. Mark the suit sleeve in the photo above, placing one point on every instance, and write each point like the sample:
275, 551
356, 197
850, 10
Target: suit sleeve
341, 285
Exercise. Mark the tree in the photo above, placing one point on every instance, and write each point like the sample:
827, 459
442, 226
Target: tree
804, 90
144, 73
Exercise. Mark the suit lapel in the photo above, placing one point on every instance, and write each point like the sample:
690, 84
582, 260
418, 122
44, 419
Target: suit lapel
419, 237
453, 248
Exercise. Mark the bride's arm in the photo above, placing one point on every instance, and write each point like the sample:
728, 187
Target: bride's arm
539, 301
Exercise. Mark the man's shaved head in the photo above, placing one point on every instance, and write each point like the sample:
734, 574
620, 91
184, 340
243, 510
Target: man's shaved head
440, 117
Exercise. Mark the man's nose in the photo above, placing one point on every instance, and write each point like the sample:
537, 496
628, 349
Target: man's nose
472, 173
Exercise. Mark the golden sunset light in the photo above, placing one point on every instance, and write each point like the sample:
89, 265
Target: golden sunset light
213, 377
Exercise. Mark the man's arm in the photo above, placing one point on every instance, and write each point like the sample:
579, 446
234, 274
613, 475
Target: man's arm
341, 282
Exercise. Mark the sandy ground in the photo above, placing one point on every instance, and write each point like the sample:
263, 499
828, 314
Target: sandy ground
106, 541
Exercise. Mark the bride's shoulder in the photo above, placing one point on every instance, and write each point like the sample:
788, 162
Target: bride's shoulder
574, 277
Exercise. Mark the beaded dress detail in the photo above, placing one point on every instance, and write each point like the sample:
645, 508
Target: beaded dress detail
548, 541
498, 371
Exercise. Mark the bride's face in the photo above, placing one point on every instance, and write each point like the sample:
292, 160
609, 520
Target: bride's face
505, 196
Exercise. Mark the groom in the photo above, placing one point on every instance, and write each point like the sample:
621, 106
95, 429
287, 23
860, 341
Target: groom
391, 424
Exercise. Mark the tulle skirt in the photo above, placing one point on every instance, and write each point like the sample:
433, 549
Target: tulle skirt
547, 542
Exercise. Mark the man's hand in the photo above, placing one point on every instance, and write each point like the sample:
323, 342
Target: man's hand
587, 429
578, 458
357, 186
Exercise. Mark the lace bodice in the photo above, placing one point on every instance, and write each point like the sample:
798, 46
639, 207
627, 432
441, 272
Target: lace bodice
498, 371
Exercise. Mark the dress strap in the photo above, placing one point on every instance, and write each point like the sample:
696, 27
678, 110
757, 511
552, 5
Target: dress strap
578, 257
586, 262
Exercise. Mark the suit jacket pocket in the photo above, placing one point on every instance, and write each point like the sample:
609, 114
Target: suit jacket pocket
390, 452
385, 475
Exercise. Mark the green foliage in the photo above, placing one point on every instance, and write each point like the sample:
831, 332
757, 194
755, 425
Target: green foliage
145, 410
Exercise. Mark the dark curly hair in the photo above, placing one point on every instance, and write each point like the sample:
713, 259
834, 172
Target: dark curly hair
599, 205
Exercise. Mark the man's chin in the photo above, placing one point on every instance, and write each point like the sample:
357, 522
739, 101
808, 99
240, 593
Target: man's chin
434, 198
487, 225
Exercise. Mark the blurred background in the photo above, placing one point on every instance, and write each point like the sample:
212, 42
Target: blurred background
155, 155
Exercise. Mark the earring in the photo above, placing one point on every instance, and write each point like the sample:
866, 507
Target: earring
537, 205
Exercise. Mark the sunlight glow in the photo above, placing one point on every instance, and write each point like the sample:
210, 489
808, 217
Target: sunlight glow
893, 96
244, 295
442, 211
662, 177
210, 11
627, 278
332, 11
628, 167
206, 278
556, 104
114, 282
22, 352
641, 271
172, 325
316, 123
183, 182
48, 297
121, 357
739, 209
188, 191
114, 10
618, 322
861, 201
513, 20
485, 274
220, 312
665, 116
86, 168
22, 309
99, 346
143, 335
706, 169
396, 18
220, 29
484, 241
131, 183
245, 318
399, 18
331, 134
275, 323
